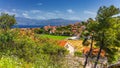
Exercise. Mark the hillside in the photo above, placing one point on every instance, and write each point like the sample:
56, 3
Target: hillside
25, 22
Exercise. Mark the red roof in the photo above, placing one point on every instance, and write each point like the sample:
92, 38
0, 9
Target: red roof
94, 51
62, 43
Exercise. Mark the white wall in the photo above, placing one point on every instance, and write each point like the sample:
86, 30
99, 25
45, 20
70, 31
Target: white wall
70, 48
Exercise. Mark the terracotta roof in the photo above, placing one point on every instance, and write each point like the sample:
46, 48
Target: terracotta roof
77, 44
62, 43
94, 51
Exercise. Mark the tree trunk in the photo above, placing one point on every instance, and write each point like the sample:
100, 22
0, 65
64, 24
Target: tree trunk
101, 47
89, 53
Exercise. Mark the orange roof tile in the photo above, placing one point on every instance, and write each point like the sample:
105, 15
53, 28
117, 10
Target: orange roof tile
62, 43
94, 51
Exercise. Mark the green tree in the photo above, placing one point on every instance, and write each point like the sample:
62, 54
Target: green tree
106, 33
6, 21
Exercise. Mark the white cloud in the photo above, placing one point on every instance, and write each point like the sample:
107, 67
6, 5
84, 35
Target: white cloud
26, 15
35, 11
116, 15
14, 10
56, 11
11, 13
40, 4
73, 18
70, 11
90, 12
40, 14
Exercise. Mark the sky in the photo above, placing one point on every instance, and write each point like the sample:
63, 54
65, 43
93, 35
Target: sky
52, 9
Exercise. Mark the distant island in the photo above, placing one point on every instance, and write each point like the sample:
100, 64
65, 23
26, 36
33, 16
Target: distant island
33, 23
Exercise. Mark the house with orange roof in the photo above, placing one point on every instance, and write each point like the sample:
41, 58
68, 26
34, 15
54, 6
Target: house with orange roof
76, 45
68, 46
72, 45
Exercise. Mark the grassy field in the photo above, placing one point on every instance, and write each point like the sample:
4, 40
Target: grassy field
53, 37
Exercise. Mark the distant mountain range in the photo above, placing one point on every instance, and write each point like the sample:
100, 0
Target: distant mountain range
25, 22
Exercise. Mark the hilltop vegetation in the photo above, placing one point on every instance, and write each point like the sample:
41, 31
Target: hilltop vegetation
28, 48
104, 30
21, 48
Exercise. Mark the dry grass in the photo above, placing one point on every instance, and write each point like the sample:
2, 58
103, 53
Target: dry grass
77, 44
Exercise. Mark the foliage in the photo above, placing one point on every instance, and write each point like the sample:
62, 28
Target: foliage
39, 31
6, 36
53, 49
79, 54
6, 21
13, 62
106, 12
38, 52
106, 24
68, 30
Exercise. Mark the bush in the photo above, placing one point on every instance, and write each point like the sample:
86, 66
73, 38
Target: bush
66, 33
79, 54
13, 62
6, 36
43, 53
39, 31
53, 49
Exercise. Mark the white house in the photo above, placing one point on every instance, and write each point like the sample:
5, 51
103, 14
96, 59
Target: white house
68, 46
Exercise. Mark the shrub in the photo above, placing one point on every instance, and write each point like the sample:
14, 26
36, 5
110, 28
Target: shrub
43, 53
6, 36
13, 62
39, 31
79, 54
53, 49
